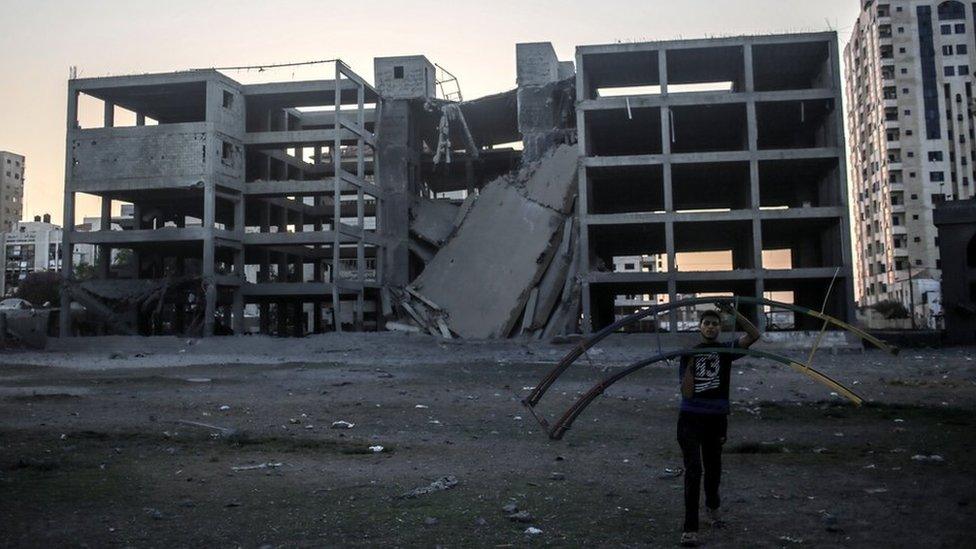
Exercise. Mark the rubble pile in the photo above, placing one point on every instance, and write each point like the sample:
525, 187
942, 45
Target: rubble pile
507, 260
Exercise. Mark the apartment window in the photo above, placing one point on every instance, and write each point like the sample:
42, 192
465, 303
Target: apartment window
228, 99
946, 50
895, 221
904, 91
918, 239
398, 71
904, 70
909, 132
901, 30
946, 29
963, 70
16, 176
901, 50
908, 112
935, 156
949, 71
915, 217
898, 9
227, 153
960, 28
936, 176
911, 154
962, 49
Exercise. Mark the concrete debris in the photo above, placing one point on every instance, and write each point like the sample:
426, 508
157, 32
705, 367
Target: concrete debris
266, 465
482, 287
521, 516
532, 531
432, 221
376, 449
401, 327
341, 424
24, 327
439, 485
934, 458
225, 432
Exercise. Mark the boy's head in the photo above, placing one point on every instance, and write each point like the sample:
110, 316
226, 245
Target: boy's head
710, 325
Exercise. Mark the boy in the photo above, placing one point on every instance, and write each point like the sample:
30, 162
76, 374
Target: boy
703, 420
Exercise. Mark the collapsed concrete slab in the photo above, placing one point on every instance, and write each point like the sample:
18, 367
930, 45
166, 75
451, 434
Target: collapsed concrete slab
483, 275
432, 220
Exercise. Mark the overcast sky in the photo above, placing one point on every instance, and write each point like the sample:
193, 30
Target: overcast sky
476, 41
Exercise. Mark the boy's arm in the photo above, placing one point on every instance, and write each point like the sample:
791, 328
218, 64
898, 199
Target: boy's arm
688, 382
752, 334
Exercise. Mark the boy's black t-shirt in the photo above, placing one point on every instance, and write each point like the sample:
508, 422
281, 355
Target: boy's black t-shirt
712, 372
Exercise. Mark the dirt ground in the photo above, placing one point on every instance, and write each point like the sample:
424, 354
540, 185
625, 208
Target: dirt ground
92, 453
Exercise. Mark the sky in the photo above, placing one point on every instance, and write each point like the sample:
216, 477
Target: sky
476, 41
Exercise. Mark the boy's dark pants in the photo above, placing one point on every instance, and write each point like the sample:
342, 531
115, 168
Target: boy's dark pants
701, 437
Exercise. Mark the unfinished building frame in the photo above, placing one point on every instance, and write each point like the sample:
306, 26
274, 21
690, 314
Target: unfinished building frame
730, 146
259, 195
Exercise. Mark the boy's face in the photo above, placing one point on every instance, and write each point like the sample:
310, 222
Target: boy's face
710, 327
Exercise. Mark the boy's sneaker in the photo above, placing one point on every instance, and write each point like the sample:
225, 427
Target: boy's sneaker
689, 539
714, 517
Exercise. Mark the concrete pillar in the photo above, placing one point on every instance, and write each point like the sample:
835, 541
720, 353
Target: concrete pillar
264, 269
109, 115
67, 248
395, 160
237, 323
208, 267
105, 251
140, 119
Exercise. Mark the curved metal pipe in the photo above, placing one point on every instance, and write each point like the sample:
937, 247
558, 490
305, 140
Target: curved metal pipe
559, 428
581, 348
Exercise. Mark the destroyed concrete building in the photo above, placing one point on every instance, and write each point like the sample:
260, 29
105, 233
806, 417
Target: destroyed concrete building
731, 145
329, 205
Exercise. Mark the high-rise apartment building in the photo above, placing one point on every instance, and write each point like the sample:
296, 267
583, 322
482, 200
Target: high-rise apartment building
11, 189
909, 71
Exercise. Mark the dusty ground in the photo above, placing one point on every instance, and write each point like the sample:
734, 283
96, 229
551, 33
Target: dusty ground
91, 454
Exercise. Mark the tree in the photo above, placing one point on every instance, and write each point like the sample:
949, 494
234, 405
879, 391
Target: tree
891, 309
84, 271
41, 287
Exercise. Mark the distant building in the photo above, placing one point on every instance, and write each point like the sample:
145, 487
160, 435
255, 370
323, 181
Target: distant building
11, 189
29, 246
909, 71
956, 222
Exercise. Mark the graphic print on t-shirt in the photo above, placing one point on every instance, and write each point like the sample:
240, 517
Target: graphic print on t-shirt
706, 372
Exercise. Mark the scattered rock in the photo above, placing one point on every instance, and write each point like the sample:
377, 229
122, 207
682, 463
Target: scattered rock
557, 476
342, 424
376, 449
671, 472
224, 408
510, 508
441, 484
532, 531
934, 458
267, 465
521, 516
